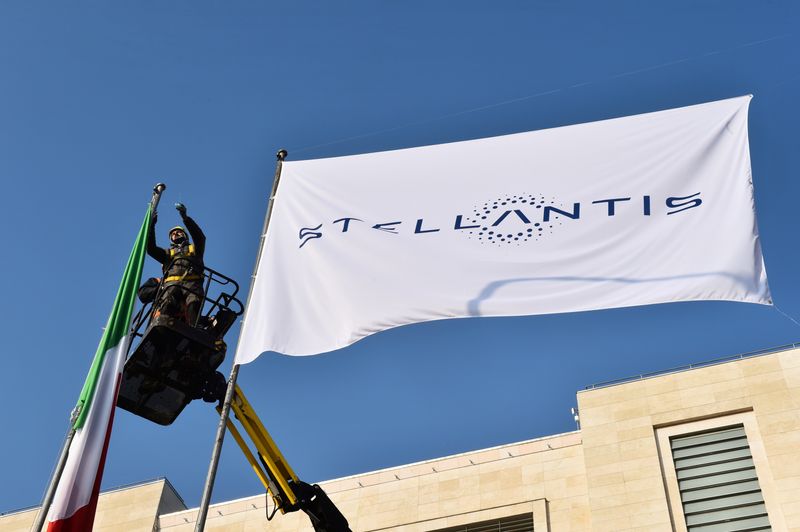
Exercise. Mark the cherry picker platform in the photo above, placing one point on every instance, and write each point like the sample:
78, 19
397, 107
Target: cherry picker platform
175, 362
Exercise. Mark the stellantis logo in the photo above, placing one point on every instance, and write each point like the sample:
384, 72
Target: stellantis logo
513, 219
309, 233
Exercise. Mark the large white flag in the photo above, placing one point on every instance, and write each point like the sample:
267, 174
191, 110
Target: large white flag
646, 209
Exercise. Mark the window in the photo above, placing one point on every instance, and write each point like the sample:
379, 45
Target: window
717, 476
717, 481
517, 523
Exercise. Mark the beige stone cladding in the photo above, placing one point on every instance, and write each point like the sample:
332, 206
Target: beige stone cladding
543, 477
620, 426
130, 509
616, 474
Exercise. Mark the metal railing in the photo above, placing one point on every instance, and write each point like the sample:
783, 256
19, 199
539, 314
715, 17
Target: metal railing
713, 362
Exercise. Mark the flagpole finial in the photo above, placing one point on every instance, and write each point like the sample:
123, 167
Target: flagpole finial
157, 190
282, 154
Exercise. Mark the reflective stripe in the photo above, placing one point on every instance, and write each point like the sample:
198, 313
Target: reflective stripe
189, 253
172, 278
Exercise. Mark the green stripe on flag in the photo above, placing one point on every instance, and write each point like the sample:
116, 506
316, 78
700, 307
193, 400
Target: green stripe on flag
119, 321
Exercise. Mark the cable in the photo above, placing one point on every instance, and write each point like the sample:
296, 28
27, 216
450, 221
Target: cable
542, 93
785, 314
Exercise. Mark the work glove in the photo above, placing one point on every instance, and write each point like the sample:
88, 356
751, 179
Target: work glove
181, 209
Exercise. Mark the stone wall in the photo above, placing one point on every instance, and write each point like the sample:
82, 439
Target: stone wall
131, 509
615, 474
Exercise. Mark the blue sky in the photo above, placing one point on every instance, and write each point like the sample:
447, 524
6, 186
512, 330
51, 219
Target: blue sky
101, 100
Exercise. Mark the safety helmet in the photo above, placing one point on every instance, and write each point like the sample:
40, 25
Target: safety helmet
177, 229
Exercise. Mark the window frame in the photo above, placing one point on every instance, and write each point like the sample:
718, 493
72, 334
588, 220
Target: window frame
537, 507
670, 477
476, 524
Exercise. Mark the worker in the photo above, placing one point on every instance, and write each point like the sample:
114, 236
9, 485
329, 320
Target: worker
182, 263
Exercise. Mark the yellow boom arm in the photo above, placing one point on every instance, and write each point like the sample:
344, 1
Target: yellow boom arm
288, 492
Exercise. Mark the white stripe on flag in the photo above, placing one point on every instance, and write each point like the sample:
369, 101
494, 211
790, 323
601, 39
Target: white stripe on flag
75, 489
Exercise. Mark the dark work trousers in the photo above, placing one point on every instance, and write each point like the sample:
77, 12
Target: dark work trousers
181, 299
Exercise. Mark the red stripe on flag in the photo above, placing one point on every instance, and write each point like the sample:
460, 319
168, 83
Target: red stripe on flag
83, 519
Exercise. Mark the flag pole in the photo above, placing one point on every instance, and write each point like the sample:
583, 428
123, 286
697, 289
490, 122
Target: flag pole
51, 487
64, 454
205, 501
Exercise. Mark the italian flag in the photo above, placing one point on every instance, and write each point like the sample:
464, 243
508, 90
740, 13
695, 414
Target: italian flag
75, 499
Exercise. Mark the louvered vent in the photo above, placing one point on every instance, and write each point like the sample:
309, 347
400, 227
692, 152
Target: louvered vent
718, 483
517, 523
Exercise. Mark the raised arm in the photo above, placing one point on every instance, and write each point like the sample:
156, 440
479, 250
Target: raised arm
198, 238
152, 249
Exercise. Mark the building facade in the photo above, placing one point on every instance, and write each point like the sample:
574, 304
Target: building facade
711, 448
127, 508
